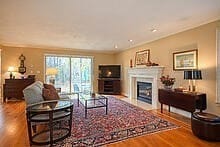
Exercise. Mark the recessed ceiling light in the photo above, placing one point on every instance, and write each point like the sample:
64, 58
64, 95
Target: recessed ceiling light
130, 40
153, 30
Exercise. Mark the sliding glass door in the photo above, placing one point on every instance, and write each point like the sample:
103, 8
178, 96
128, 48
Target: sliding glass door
81, 74
74, 73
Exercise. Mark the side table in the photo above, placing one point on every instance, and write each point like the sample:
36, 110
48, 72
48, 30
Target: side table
186, 101
49, 113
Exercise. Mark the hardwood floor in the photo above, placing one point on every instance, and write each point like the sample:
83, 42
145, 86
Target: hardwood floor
13, 128
13, 131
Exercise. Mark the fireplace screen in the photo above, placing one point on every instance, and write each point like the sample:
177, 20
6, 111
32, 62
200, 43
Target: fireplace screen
144, 92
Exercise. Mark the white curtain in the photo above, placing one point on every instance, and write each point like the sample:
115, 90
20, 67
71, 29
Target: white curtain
218, 64
1, 87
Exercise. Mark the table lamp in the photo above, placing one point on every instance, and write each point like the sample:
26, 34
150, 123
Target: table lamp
52, 72
192, 75
11, 69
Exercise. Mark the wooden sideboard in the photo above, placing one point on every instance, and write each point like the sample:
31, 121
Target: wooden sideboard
187, 101
13, 88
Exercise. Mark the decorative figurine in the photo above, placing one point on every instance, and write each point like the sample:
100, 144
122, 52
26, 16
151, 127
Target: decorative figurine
131, 65
22, 68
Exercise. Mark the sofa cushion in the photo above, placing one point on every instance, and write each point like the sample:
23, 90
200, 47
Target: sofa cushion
50, 94
33, 93
50, 87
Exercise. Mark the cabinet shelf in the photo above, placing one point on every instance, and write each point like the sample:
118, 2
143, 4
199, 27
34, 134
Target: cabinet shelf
109, 86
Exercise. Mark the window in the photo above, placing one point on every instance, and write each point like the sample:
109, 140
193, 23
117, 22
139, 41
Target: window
74, 73
218, 65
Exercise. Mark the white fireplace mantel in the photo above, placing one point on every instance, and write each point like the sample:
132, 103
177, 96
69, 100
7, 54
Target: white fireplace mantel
150, 74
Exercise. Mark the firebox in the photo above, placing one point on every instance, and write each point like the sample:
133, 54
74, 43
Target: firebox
144, 92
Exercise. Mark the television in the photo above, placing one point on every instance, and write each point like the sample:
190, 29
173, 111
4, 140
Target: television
110, 71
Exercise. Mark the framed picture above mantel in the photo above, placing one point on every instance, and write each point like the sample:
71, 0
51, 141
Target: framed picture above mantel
142, 57
185, 60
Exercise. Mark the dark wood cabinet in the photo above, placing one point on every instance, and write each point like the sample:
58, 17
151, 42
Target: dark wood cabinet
100, 86
109, 86
13, 88
187, 101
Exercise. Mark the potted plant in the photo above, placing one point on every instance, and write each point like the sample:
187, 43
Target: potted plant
167, 81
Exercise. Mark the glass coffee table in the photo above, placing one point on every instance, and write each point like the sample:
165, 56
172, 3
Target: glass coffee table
49, 113
90, 101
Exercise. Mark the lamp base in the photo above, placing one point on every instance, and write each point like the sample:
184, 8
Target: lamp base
193, 88
52, 81
11, 75
189, 88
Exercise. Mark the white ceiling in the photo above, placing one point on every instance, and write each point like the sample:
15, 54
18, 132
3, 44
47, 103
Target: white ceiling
99, 24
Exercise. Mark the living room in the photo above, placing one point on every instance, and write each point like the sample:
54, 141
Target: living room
201, 36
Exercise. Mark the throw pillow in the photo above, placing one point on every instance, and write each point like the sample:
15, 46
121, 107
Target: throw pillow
49, 93
49, 86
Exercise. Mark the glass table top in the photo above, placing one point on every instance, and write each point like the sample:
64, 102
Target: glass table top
90, 100
50, 105
86, 96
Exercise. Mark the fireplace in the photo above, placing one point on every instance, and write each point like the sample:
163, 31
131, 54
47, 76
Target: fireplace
144, 92
145, 74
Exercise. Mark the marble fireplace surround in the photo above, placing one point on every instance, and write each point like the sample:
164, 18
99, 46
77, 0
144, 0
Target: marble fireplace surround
150, 74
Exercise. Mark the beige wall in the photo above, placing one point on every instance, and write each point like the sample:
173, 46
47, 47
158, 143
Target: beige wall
202, 38
35, 60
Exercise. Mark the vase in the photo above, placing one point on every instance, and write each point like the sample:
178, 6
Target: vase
168, 86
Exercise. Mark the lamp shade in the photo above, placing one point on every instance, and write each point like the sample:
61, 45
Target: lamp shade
11, 69
51, 71
193, 75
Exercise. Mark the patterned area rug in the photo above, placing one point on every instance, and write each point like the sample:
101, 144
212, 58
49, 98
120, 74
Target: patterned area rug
122, 121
